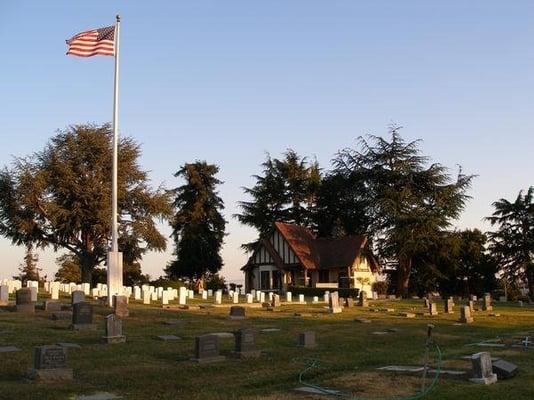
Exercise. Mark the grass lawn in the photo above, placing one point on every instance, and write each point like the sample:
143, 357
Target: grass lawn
146, 368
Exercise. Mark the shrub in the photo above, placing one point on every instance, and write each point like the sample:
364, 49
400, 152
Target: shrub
380, 287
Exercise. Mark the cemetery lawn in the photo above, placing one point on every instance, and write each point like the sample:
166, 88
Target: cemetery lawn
348, 353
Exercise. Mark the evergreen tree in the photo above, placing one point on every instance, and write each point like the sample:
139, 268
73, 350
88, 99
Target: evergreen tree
286, 191
29, 271
409, 203
69, 269
513, 241
61, 197
198, 225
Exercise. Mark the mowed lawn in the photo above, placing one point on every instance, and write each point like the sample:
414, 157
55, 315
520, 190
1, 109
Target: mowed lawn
348, 353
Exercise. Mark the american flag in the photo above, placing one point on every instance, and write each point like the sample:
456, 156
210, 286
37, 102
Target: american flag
94, 42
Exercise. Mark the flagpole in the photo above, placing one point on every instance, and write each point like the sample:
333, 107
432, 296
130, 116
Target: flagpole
114, 229
114, 278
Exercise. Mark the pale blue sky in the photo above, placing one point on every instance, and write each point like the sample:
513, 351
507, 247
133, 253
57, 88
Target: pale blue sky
227, 81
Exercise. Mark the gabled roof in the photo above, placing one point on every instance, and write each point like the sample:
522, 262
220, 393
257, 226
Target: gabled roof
301, 240
322, 253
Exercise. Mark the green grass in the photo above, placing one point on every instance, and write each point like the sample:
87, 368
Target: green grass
145, 368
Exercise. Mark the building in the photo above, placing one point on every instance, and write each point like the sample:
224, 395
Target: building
292, 255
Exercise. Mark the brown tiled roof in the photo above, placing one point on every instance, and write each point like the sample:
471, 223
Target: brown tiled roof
323, 253
301, 240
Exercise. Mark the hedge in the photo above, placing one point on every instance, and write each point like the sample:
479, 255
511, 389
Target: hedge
319, 292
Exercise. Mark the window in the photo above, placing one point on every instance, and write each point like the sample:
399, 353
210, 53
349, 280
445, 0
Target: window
323, 276
265, 280
277, 279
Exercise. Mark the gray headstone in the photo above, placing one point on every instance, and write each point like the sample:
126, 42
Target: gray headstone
120, 305
276, 301
245, 343
114, 330
50, 364
433, 309
23, 298
482, 369
82, 316
77, 296
349, 302
207, 349
8, 349
167, 338
306, 339
52, 305
237, 312
504, 369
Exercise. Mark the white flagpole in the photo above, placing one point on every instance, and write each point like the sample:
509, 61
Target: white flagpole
114, 256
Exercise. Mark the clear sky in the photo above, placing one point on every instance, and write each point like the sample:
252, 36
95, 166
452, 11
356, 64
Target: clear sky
227, 81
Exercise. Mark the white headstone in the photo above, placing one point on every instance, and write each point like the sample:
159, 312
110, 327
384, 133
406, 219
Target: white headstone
289, 297
182, 296
218, 297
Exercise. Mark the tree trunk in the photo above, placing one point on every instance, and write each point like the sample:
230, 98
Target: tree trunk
403, 276
87, 265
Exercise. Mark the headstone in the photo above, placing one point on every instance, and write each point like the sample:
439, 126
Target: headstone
52, 306
61, 315
301, 299
77, 297
50, 364
33, 291
146, 297
449, 306
207, 349
204, 295
486, 302
120, 306
250, 298
333, 303
374, 295
471, 305
362, 300
54, 291
502, 299
4, 295
235, 297
237, 312
82, 316
114, 330
137, 293
407, 315
482, 369
218, 297
245, 344
326, 297
276, 301
262, 297
433, 309
465, 315
289, 297
306, 339
168, 338
504, 369
23, 298
315, 300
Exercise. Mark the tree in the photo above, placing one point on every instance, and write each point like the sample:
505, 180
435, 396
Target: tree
60, 197
286, 191
513, 241
198, 225
408, 201
29, 271
456, 263
69, 269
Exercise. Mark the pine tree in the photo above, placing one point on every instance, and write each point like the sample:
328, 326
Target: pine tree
286, 191
29, 270
198, 225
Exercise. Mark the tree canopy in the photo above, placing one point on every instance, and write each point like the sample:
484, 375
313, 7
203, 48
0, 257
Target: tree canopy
198, 225
513, 241
60, 197
285, 191
408, 202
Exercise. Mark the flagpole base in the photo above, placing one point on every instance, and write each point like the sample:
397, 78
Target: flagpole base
114, 275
